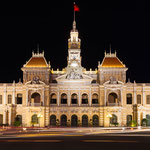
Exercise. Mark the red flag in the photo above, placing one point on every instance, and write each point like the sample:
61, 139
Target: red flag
76, 8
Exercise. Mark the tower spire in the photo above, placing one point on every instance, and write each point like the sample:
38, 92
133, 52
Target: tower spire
110, 48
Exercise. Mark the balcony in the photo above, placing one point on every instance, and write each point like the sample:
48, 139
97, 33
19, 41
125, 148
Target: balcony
113, 104
36, 104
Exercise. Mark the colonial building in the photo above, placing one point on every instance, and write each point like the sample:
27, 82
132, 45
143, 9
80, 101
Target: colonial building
74, 96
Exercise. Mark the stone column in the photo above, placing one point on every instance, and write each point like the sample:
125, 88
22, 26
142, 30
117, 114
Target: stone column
90, 97
138, 119
134, 96
13, 96
69, 98
143, 94
79, 98
121, 97
105, 97
43, 97
4, 120
27, 97
5, 96
9, 117
58, 98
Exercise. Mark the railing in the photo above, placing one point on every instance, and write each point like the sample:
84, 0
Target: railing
113, 104
35, 104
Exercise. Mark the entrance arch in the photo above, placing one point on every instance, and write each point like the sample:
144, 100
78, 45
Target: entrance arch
113, 119
74, 121
1, 119
95, 121
19, 118
36, 98
84, 121
63, 120
53, 120
112, 98
129, 119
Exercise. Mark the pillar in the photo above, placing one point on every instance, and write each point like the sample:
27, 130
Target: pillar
13, 96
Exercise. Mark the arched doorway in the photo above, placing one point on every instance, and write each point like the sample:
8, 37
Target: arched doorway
19, 118
148, 119
112, 98
95, 121
63, 120
129, 119
84, 121
113, 119
35, 98
34, 119
1, 119
53, 120
74, 121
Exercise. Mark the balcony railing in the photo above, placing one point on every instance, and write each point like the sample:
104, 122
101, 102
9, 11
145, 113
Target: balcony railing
113, 104
35, 104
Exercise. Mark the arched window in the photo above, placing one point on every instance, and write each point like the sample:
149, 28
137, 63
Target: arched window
63, 98
74, 99
1, 100
34, 119
112, 98
35, 98
147, 99
1, 119
53, 120
9, 99
19, 98
94, 99
139, 99
53, 99
129, 119
95, 121
113, 119
84, 99
129, 98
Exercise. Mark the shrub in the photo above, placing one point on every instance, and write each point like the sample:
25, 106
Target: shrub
144, 122
133, 123
17, 123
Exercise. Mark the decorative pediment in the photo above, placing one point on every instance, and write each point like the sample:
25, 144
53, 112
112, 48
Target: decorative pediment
74, 78
35, 81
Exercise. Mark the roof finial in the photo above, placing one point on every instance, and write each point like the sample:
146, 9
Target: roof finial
38, 48
105, 53
110, 48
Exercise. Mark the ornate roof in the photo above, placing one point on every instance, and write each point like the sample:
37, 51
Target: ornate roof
112, 61
37, 60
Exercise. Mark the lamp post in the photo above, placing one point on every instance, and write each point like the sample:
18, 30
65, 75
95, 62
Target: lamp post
109, 116
39, 116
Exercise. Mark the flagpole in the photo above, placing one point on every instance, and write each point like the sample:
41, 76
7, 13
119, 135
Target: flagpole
74, 12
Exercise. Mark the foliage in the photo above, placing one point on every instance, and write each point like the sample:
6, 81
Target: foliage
133, 123
17, 123
115, 124
144, 122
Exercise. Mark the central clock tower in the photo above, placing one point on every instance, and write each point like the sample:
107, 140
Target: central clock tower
74, 68
74, 58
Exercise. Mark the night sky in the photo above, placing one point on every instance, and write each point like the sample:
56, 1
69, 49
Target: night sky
126, 25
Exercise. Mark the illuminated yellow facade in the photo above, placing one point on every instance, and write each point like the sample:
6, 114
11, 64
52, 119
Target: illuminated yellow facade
74, 96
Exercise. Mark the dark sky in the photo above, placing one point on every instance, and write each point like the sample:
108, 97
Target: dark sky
124, 24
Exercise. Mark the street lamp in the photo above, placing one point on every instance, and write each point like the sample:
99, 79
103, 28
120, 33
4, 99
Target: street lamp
39, 116
109, 116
